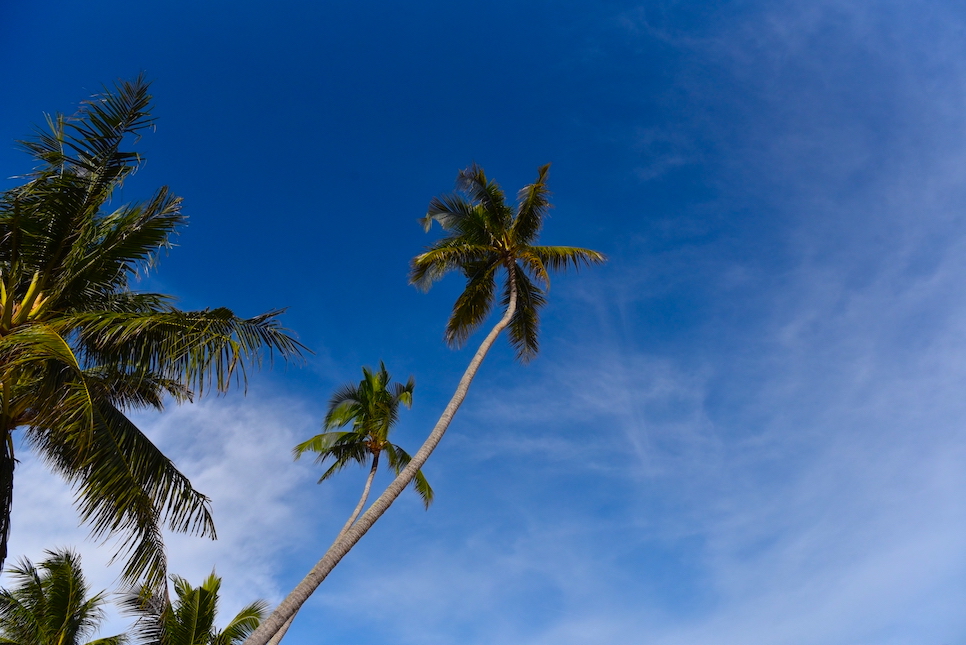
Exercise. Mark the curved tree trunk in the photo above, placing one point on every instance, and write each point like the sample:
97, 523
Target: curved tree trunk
277, 638
348, 538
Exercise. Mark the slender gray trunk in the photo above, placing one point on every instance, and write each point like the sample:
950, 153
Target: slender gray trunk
362, 500
277, 638
348, 538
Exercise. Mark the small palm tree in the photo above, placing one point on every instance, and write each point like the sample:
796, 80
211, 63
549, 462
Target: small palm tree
371, 407
484, 239
190, 619
49, 604
79, 348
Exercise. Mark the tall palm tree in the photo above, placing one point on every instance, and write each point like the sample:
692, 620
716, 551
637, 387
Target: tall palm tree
485, 238
79, 348
190, 619
50, 606
371, 407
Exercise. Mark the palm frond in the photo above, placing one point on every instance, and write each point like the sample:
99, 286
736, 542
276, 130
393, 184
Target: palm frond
486, 193
116, 248
474, 304
447, 210
560, 258
49, 604
242, 625
445, 256
398, 459
320, 443
524, 325
124, 485
201, 349
533, 206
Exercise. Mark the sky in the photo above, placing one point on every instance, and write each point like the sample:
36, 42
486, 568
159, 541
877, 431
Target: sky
747, 427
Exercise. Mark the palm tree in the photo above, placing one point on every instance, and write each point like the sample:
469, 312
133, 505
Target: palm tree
485, 238
79, 348
372, 408
49, 605
190, 619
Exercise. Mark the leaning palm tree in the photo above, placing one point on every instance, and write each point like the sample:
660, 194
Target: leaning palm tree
79, 348
49, 604
485, 239
190, 618
371, 407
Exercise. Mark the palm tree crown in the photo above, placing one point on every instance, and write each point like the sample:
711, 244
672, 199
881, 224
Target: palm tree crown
79, 348
49, 605
371, 407
485, 235
190, 619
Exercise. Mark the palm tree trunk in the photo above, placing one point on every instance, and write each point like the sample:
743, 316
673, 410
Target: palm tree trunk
7, 464
277, 638
365, 496
348, 538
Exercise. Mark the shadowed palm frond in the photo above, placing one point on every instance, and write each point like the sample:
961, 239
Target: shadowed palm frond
197, 348
486, 193
49, 604
525, 324
443, 257
474, 304
124, 485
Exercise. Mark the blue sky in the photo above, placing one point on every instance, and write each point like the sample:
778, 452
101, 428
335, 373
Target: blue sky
746, 428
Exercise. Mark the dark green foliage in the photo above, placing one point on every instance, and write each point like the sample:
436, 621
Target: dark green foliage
483, 237
371, 408
49, 604
79, 348
190, 619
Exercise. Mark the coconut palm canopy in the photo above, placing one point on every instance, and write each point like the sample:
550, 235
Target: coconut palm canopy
371, 408
190, 617
746, 426
50, 604
79, 347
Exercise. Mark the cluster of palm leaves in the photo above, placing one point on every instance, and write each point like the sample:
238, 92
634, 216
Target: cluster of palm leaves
80, 348
49, 605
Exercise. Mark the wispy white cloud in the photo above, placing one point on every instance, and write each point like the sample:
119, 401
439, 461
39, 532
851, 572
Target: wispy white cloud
235, 450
